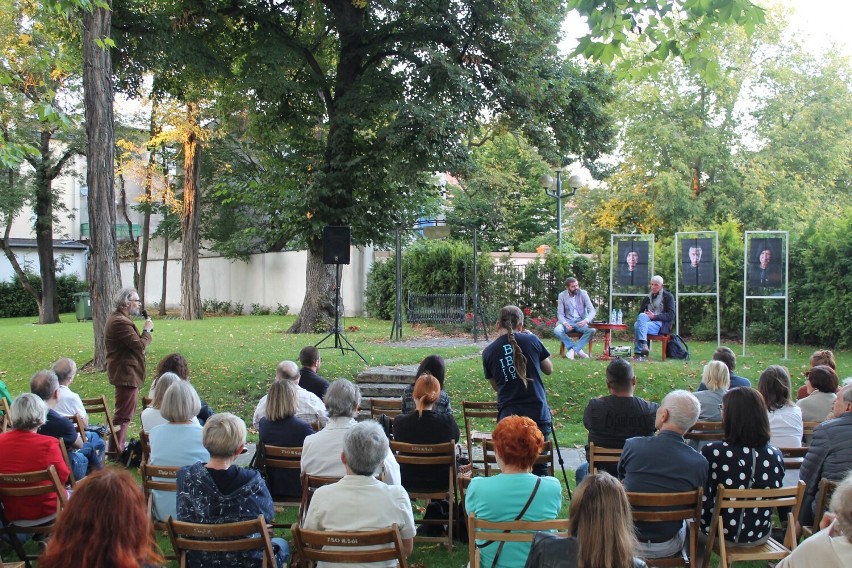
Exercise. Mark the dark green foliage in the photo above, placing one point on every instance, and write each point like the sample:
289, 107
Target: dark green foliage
16, 302
381, 290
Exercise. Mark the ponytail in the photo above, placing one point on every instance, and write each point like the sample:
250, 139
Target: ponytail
510, 318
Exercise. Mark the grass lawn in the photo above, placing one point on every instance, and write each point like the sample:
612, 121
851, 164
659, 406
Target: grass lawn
233, 359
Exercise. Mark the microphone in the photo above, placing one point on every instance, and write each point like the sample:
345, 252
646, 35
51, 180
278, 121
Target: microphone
144, 313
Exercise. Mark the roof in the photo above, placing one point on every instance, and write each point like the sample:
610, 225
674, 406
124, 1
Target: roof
57, 244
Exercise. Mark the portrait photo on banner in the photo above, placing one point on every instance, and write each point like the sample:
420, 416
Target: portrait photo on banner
632, 268
697, 265
765, 266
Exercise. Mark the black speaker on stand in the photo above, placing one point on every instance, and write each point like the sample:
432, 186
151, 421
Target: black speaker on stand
335, 250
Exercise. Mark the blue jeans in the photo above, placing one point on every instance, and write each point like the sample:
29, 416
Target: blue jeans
581, 472
587, 332
282, 552
643, 327
88, 458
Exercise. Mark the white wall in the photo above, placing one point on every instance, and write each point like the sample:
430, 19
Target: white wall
268, 279
73, 262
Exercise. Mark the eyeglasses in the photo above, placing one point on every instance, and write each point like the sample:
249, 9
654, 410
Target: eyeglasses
134, 299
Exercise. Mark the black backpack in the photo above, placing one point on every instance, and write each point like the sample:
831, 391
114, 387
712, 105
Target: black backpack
677, 348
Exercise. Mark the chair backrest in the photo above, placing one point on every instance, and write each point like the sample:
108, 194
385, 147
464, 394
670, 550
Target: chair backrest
477, 412
388, 406
311, 483
667, 507
443, 454
824, 493
600, 454
78, 423
98, 405
72, 480
706, 431
793, 456
280, 457
808, 430
145, 441
6, 419
350, 547
31, 484
157, 478
490, 458
507, 531
225, 537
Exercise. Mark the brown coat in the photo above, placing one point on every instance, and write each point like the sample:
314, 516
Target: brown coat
125, 351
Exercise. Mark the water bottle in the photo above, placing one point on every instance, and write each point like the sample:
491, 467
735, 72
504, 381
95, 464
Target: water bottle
612, 316
620, 320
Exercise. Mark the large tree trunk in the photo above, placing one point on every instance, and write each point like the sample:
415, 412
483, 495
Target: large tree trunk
103, 271
190, 281
165, 273
49, 306
318, 306
22, 276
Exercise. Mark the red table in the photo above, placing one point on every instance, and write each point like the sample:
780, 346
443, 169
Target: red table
608, 328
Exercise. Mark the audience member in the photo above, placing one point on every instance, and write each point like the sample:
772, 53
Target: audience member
309, 406
514, 494
821, 357
832, 546
219, 492
425, 426
321, 451
743, 460
785, 418
726, 355
70, 402
513, 364
716, 380
821, 384
309, 357
830, 453
125, 358
105, 523
613, 419
435, 366
601, 526
177, 364
280, 427
665, 463
24, 450
359, 501
178, 442
84, 456
151, 416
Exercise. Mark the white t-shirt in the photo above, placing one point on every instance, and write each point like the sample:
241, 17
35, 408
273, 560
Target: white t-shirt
70, 404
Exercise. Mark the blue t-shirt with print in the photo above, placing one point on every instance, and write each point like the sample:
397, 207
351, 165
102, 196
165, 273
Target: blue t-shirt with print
513, 397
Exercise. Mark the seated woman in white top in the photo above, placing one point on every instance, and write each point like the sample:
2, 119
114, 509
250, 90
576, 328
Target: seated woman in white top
151, 416
821, 385
785, 418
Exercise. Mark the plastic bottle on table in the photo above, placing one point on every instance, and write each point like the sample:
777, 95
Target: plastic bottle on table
612, 316
619, 319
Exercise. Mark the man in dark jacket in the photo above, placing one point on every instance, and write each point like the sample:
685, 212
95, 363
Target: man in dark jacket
309, 380
655, 315
125, 357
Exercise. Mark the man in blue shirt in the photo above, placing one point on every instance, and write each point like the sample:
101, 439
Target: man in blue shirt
727, 356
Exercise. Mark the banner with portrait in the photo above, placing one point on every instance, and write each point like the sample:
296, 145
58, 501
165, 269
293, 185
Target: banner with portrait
631, 264
697, 269
766, 263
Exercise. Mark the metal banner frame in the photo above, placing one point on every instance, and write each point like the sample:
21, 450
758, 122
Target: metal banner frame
690, 235
753, 290
642, 238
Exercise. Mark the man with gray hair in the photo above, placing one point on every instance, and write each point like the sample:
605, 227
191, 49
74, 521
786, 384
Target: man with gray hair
309, 407
359, 501
70, 402
321, 451
664, 463
656, 314
125, 358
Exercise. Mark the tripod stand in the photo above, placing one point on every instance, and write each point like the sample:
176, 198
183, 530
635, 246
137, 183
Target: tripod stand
561, 461
336, 331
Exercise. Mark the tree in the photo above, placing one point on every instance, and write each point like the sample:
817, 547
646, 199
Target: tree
38, 81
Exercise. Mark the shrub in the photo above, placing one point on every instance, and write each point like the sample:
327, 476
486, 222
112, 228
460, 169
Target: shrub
17, 302
282, 310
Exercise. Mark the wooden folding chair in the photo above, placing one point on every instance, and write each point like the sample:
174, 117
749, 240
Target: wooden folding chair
78, 424
226, 537
6, 419
753, 499
477, 411
808, 431
72, 479
350, 547
413, 455
272, 458
158, 478
664, 343
705, 431
490, 458
310, 483
823, 496
98, 405
391, 407
30, 484
507, 531
145, 441
667, 507
599, 455
793, 457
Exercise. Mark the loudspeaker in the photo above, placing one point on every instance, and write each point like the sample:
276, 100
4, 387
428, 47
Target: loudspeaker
335, 244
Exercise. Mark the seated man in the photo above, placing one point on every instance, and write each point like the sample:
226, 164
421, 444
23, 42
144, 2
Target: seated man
70, 402
656, 314
359, 501
612, 419
84, 456
830, 453
309, 407
219, 492
726, 355
309, 357
321, 451
661, 464
575, 312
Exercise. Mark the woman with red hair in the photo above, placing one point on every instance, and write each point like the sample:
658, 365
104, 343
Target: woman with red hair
109, 504
425, 426
515, 494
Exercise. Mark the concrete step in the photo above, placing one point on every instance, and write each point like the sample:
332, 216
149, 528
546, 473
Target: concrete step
402, 374
382, 390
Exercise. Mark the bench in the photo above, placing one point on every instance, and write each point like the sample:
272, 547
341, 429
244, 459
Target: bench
436, 308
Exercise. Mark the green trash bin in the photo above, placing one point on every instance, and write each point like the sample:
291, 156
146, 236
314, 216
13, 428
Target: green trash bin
83, 306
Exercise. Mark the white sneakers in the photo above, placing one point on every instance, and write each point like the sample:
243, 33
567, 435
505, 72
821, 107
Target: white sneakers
569, 353
582, 354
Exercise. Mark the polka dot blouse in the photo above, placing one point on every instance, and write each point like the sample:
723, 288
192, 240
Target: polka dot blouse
741, 468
